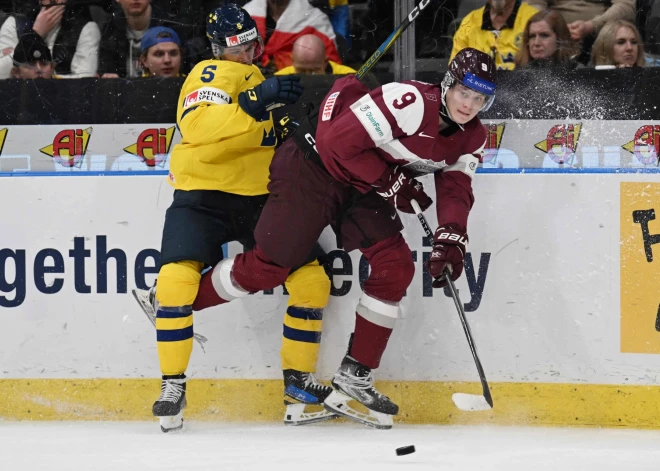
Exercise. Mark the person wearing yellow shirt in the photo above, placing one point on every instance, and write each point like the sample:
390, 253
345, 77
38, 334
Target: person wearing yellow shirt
309, 58
496, 29
220, 175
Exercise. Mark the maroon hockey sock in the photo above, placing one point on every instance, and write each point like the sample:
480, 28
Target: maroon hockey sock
369, 342
207, 296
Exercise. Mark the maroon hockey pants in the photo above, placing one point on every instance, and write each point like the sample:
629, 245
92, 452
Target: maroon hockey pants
303, 200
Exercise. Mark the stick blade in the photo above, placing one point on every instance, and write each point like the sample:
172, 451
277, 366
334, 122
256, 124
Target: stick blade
470, 402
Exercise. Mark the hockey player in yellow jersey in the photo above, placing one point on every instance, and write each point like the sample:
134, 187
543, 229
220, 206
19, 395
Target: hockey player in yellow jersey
220, 173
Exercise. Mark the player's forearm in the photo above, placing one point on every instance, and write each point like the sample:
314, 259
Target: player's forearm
454, 189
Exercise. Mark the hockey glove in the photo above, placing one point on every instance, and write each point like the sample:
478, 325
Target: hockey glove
284, 127
399, 188
270, 94
449, 247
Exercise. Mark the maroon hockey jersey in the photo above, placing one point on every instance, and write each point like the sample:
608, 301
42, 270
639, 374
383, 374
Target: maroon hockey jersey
361, 132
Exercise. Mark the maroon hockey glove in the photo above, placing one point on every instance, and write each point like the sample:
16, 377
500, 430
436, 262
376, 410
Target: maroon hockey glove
449, 247
399, 188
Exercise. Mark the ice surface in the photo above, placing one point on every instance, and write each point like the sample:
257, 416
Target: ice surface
128, 446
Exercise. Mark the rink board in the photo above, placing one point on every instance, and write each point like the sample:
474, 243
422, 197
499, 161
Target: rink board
560, 292
147, 147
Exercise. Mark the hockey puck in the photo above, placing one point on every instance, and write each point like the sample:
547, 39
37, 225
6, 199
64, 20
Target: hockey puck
405, 450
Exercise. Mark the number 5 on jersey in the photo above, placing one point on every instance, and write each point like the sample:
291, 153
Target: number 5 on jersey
208, 74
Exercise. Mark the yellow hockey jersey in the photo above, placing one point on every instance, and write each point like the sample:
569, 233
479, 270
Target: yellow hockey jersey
477, 31
222, 147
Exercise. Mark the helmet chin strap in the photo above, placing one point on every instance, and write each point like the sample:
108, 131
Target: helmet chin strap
446, 84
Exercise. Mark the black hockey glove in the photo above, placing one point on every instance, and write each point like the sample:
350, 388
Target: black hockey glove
284, 127
270, 94
398, 187
449, 247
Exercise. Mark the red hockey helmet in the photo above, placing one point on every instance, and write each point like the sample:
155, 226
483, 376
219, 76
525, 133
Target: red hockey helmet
473, 69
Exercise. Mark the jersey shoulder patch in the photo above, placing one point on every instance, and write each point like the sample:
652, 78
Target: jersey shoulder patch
209, 95
406, 104
328, 106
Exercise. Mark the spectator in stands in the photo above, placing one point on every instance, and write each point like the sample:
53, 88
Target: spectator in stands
546, 42
68, 30
339, 15
188, 19
121, 47
587, 17
161, 53
281, 22
6, 9
309, 58
32, 58
496, 29
618, 44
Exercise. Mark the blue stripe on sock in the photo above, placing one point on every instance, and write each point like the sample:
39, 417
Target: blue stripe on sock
174, 312
174, 335
305, 313
301, 335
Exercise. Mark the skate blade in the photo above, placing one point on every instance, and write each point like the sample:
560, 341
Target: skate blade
295, 415
337, 403
470, 402
142, 298
171, 423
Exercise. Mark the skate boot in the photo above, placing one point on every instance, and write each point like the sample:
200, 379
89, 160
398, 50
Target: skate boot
149, 305
354, 381
300, 390
169, 406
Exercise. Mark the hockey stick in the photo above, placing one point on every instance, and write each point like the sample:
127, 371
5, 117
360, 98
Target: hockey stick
466, 402
389, 42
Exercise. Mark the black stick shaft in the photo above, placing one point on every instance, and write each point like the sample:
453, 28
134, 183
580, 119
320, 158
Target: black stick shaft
459, 308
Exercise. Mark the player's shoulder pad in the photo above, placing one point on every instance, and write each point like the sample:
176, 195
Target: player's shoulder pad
405, 102
474, 144
472, 152
211, 82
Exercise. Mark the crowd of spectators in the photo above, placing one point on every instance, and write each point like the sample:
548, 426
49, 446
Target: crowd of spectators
166, 38
159, 38
556, 33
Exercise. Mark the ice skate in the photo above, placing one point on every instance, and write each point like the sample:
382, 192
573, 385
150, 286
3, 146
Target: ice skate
147, 301
354, 381
302, 390
169, 406
149, 305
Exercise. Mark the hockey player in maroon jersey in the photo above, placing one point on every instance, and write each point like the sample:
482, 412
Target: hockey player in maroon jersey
352, 168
